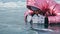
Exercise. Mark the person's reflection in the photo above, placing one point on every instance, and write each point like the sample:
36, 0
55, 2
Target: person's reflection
55, 27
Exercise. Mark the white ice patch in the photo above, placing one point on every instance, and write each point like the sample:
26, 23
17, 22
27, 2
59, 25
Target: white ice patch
12, 5
48, 30
57, 1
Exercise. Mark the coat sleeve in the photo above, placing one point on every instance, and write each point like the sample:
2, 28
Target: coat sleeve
54, 9
26, 14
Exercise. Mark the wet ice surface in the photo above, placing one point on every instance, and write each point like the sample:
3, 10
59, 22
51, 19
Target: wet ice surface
39, 29
12, 22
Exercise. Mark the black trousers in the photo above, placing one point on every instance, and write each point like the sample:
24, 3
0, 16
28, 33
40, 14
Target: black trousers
46, 22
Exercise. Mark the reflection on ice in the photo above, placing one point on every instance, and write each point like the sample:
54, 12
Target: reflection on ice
56, 27
52, 29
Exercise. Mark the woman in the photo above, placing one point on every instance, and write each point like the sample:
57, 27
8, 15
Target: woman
48, 8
